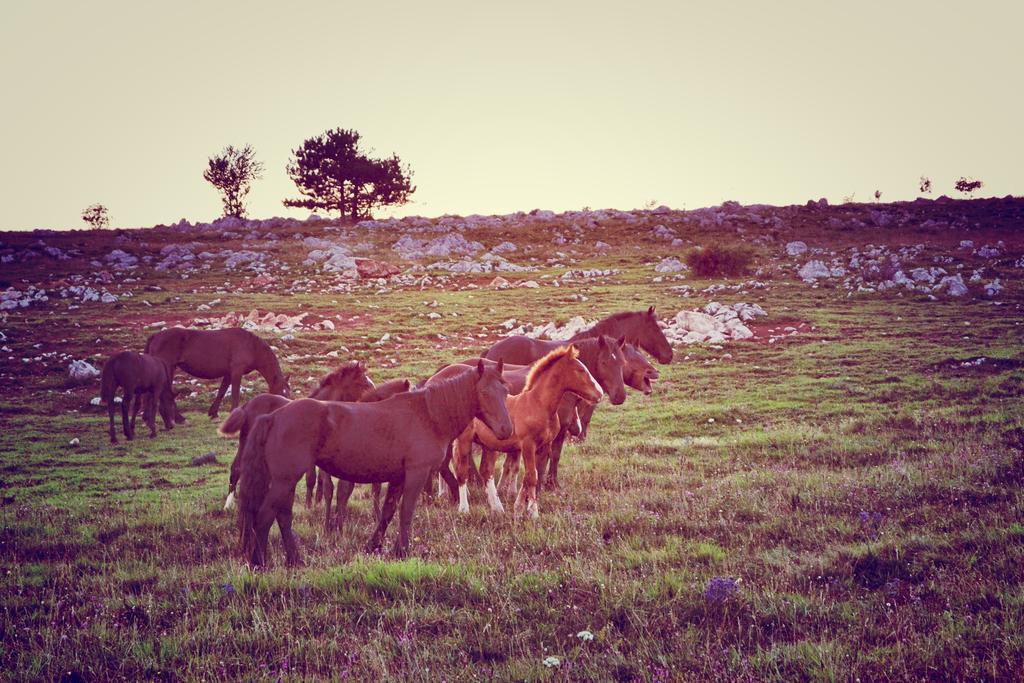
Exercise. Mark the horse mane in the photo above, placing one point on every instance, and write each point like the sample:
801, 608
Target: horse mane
601, 326
386, 390
340, 373
545, 363
446, 399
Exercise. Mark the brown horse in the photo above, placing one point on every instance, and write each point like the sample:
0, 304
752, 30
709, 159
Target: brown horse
141, 376
639, 328
398, 440
637, 373
534, 412
325, 482
229, 354
347, 383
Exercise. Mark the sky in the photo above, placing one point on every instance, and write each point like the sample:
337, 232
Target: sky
507, 106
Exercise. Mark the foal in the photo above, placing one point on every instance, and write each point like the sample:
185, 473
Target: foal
398, 440
142, 376
534, 412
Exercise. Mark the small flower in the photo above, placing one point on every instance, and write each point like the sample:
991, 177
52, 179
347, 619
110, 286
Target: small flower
585, 636
229, 588
552, 662
721, 588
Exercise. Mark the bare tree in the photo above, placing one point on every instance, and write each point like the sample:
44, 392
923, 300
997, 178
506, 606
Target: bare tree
925, 184
97, 216
232, 172
878, 195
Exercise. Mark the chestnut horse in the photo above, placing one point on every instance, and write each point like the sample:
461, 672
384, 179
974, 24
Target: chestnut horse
639, 328
140, 376
229, 354
398, 441
534, 412
347, 383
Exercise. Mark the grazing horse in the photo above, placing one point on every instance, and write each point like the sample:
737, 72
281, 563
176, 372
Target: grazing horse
140, 376
347, 383
534, 412
398, 440
639, 328
229, 354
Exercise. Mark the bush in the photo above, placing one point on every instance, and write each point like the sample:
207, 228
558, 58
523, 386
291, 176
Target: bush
720, 259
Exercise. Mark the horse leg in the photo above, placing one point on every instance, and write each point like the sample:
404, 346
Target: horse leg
110, 413
178, 417
135, 409
527, 498
510, 474
149, 414
345, 489
327, 486
284, 525
311, 482
376, 502
388, 511
487, 461
414, 483
448, 478
236, 389
461, 454
264, 520
555, 454
212, 412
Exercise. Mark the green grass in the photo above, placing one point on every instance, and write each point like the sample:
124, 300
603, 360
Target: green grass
753, 461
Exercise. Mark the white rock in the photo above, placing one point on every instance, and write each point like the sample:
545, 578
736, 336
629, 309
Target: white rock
795, 248
670, 265
813, 270
81, 371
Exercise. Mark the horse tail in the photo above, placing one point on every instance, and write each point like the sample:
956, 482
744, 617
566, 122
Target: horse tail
255, 477
234, 424
149, 342
108, 383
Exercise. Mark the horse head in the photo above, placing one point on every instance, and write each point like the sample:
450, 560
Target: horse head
637, 373
607, 368
651, 339
578, 379
347, 383
491, 392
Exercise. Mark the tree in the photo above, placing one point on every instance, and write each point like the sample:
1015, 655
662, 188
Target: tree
335, 174
96, 216
967, 185
232, 172
925, 184
878, 195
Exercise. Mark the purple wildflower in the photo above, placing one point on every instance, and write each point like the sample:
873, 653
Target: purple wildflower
229, 588
721, 588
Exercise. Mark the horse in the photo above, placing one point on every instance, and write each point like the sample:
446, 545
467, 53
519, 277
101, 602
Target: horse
637, 373
398, 441
639, 328
229, 354
140, 376
325, 483
534, 412
346, 383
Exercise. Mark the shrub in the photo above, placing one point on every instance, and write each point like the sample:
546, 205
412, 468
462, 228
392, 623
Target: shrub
720, 259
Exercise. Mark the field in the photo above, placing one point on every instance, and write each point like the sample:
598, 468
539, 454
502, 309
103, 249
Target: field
841, 501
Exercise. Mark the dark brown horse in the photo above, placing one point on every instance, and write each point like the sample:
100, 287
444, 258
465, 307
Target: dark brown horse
399, 441
141, 376
228, 354
347, 383
639, 328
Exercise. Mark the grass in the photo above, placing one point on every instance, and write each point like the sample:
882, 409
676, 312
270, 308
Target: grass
752, 461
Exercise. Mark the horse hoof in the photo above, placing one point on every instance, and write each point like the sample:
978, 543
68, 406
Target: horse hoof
533, 509
179, 420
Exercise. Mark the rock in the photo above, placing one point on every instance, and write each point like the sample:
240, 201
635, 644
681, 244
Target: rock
670, 265
602, 246
108, 298
504, 248
993, 288
530, 284
499, 283
953, 285
795, 248
82, 371
967, 244
205, 459
74, 442
988, 252
813, 270
368, 268
121, 260
262, 280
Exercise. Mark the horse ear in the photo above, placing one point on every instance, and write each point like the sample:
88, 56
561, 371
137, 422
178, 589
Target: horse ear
621, 341
600, 342
407, 385
480, 367
501, 366
650, 311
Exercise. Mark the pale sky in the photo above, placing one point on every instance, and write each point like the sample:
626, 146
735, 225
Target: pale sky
507, 106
